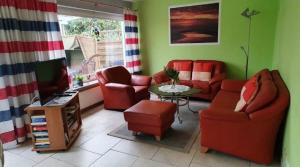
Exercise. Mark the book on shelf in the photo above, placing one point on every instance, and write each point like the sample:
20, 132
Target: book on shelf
39, 128
37, 116
42, 146
35, 120
38, 138
42, 133
38, 123
41, 143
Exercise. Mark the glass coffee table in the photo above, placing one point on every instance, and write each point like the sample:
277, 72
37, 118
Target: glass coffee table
180, 94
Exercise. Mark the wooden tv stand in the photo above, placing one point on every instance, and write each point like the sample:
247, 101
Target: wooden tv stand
56, 125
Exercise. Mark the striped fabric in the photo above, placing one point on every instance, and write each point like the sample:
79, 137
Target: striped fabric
29, 32
132, 49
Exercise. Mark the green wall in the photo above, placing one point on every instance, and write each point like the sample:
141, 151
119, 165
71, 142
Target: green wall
286, 59
154, 32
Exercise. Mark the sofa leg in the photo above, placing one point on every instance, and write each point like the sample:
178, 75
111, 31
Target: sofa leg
134, 133
203, 149
157, 138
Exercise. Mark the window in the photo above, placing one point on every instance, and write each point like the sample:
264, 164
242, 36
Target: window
91, 44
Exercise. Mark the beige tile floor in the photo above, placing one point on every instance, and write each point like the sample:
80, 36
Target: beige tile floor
94, 148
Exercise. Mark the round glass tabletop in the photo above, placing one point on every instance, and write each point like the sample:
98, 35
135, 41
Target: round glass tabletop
164, 90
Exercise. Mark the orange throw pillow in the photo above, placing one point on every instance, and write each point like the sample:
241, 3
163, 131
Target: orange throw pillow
248, 92
202, 71
185, 70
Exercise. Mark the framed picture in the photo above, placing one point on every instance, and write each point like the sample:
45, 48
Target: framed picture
195, 24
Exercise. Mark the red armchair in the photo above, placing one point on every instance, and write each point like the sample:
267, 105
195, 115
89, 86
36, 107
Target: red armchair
122, 90
209, 89
250, 134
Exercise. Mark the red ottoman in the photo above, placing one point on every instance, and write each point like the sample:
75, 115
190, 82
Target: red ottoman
150, 117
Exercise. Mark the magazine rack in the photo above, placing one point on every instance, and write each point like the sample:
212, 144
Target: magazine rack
56, 125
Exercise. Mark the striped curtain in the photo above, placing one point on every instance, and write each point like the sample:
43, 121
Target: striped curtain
29, 32
132, 48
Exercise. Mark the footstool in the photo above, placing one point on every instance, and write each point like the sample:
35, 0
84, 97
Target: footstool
150, 117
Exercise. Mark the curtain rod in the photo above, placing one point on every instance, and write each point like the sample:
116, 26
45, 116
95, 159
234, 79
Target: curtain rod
104, 4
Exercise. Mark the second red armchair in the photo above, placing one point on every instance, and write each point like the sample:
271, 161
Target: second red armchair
122, 90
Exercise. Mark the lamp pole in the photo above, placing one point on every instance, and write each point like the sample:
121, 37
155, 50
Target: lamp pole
248, 14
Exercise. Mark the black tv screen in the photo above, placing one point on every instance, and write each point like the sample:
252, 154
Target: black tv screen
52, 78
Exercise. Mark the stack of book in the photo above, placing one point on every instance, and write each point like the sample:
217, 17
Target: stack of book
40, 131
70, 114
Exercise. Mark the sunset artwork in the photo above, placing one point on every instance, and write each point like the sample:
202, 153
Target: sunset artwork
197, 24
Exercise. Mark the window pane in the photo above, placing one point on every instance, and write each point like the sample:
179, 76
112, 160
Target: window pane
91, 44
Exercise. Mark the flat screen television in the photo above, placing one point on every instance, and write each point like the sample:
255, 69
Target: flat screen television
52, 78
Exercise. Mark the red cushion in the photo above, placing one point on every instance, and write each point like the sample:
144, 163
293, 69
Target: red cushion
266, 94
247, 94
184, 68
188, 83
202, 85
202, 71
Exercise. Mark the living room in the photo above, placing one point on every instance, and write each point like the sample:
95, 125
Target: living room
190, 83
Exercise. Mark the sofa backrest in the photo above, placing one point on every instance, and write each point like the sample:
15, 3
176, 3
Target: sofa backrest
278, 106
117, 74
219, 66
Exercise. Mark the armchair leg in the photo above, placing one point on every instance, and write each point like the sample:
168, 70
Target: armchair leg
203, 149
158, 138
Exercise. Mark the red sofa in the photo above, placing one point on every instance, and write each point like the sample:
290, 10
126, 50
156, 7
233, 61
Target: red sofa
122, 90
208, 88
250, 134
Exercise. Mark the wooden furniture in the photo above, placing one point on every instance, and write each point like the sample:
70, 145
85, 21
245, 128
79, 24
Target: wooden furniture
56, 125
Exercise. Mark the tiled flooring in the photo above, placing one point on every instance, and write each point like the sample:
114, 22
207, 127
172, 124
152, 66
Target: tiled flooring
96, 149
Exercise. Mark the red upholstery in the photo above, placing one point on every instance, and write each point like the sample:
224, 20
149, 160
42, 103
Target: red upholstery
250, 136
151, 117
209, 88
120, 89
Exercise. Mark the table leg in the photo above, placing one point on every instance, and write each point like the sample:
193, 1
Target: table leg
177, 110
188, 103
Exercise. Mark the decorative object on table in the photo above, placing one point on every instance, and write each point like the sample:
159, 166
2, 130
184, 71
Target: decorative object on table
172, 74
195, 23
248, 14
79, 80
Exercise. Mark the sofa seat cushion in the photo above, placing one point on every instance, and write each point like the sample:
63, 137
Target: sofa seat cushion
202, 71
202, 85
188, 83
184, 68
225, 100
141, 92
152, 113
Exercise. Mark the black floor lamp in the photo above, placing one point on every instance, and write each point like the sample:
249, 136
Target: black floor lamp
248, 14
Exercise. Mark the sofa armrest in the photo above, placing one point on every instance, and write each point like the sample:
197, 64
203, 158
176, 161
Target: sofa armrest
222, 115
233, 85
120, 87
217, 78
160, 77
141, 80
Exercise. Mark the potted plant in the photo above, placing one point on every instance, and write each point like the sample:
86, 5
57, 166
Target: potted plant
79, 80
172, 74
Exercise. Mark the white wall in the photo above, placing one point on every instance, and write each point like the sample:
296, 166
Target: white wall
90, 96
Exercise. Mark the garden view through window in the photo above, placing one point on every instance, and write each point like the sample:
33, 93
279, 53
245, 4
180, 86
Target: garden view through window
91, 44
